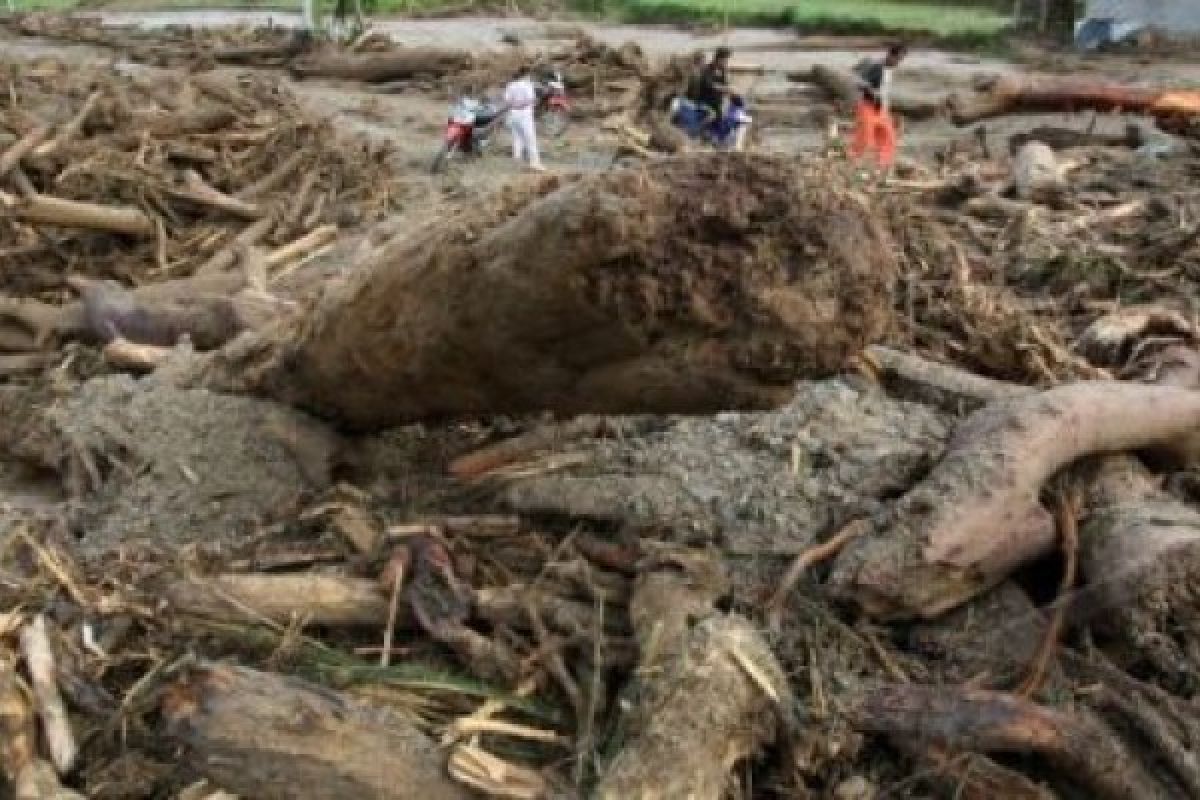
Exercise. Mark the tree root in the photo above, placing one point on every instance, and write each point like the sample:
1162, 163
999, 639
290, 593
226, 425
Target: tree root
1079, 746
977, 516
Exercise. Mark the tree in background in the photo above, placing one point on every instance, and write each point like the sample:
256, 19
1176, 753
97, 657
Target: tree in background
1060, 19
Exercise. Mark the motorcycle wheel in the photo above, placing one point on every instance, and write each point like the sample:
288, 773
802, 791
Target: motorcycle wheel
443, 155
555, 121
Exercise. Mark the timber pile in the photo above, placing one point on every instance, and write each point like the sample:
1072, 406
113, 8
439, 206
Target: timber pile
141, 181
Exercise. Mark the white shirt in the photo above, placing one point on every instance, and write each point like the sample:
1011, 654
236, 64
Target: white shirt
520, 94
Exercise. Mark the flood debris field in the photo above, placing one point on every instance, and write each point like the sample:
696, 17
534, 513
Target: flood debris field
669, 474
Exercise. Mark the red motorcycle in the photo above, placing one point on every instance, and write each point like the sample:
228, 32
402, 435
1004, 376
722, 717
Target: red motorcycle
553, 105
468, 131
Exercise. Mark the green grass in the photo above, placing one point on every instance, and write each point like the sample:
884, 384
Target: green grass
972, 23
826, 16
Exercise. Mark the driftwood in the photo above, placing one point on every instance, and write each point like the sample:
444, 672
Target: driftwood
274, 738
842, 86
378, 67
56, 726
1066, 138
157, 314
1078, 746
321, 599
41, 209
1011, 95
977, 516
709, 690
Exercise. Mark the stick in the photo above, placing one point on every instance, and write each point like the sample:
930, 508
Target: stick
274, 179
385, 657
224, 259
126, 355
47, 210
305, 244
322, 599
810, 557
22, 147
72, 128
199, 191
1068, 531
56, 726
1105, 217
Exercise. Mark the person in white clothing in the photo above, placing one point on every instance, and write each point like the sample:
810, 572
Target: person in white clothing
520, 98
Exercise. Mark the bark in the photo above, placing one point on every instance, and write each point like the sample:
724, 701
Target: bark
709, 691
656, 290
977, 516
1078, 746
332, 600
378, 67
1014, 95
275, 738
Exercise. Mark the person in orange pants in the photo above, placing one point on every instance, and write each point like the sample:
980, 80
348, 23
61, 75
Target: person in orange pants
874, 129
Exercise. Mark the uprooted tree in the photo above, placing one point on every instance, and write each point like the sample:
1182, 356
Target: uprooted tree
695, 285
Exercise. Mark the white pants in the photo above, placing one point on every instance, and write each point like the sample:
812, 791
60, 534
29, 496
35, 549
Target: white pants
524, 136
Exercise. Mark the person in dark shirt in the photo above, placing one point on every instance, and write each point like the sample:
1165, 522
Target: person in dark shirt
709, 88
874, 130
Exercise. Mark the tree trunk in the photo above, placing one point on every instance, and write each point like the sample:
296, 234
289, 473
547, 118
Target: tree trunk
695, 285
1060, 21
1052, 94
275, 738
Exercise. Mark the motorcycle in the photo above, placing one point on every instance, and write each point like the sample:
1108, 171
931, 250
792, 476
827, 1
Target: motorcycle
723, 133
468, 131
553, 105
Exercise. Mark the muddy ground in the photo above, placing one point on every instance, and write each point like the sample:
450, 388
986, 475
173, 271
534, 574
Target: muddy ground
119, 490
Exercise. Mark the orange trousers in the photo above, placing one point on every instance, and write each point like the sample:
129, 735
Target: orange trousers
874, 133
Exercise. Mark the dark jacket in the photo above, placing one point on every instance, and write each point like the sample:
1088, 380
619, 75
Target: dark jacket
707, 88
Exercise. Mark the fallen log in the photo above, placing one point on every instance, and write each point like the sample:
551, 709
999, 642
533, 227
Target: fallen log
1014, 95
606, 338
1080, 748
43, 209
843, 86
276, 738
321, 599
977, 516
160, 314
378, 67
709, 691
1067, 138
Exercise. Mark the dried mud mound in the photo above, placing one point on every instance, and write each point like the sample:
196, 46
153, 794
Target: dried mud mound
765, 480
147, 461
694, 285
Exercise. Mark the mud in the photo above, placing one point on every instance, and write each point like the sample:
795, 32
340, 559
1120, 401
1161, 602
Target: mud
187, 466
